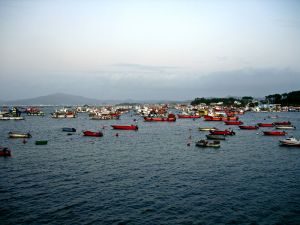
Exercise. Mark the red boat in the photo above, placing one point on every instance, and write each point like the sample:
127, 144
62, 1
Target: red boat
275, 133
222, 132
265, 124
4, 151
282, 123
212, 118
170, 118
92, 134
233, 122
180, 116
248, 127
232, 118
125, 127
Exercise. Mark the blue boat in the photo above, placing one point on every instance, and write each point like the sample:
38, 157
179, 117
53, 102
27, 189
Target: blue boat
68, 129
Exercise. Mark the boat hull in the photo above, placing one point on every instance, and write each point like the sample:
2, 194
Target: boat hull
274, 133
19, 135
215, 137
92, 134
248, 127
120, 127
222, 132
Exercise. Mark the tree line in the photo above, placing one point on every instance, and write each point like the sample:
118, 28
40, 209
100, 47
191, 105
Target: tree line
286, 99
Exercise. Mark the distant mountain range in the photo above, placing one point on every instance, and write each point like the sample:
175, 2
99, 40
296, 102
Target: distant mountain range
56, 99
68, 99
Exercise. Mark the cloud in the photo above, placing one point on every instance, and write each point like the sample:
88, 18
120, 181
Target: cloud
141, 85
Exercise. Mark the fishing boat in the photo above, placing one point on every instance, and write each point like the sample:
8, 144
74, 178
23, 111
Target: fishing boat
182, 116
233, 122
231, 118
170, 118
282, 123
68, 129
248, 127
265, 124
5, 152
92, 133
33, 111
207, 128
125, 127
285, 127
212, 118
205, 143
274, 133
291, 141
215, 137
19, 135
222, 132
41, 142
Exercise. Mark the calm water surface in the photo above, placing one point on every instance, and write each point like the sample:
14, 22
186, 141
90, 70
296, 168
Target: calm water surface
147, 177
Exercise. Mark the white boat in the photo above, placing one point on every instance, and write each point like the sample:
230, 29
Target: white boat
285, 127
7, 116
291, 141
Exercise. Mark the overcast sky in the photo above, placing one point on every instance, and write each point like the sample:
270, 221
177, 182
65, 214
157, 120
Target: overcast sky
149, 49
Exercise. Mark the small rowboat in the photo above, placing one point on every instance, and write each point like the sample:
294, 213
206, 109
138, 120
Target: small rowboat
125, 127
291, 141
205, 143
274, 133
5, 151
68, 129
285, 127
233, 122
181, 116
92, 134
207, 128
222, 132
282, 123
19, 135
41, 142
248, 127
265, 124
215, 137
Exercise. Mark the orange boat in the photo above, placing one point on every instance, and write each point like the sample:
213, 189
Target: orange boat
233, 122
125, 127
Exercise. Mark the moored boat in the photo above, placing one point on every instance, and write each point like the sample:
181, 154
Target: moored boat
68, 129
233, 122
41, 142
92, 133
282, 123
274, 133
182, 116
291, 141
222, 132
170, 118
212, 118
285, 127
205, 143
248, 127
265, 124
207, 128
5, 151
215, 137
125, 127
19, 135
